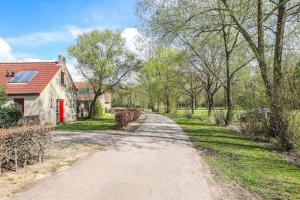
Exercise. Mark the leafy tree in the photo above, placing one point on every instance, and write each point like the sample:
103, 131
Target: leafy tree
264, 26
190, 85
158, 77
286, 12
103, 60
187, 23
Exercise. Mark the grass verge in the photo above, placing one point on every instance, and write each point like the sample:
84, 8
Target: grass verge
107, 122
252, 165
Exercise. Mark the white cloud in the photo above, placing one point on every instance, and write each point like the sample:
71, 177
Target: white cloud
68, 33
131, 35
74, 31
33, 60
39, 38
76, 76
6, 53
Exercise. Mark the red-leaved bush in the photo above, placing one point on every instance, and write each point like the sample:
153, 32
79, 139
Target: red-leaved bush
124, 116
22, 145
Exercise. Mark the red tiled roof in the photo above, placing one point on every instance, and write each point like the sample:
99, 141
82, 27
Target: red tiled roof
79, 85
46, 71
107, 97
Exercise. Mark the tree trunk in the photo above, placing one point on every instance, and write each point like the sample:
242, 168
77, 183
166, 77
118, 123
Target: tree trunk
279, 125
228, 104
278, 120
225, 99
167, 104
210, 103
92, 107
229, 115
193, 104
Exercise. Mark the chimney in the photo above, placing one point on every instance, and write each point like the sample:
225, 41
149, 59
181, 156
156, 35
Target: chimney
62, 60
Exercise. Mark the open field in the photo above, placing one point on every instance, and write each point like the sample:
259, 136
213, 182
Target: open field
107, 122
254, 166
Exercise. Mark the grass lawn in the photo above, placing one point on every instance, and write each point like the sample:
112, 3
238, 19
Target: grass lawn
252, 165
202, 113
107, 122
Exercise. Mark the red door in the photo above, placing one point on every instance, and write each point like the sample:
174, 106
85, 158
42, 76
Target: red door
61, 111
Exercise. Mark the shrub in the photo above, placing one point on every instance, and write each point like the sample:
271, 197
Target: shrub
124, 116
219, 116
187, 114
254, 123
294, 129
3, 95
22, 145
173, 112
9, 116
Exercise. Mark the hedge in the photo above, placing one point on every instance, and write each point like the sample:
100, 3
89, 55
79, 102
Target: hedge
124, 116
22, 145
9, 116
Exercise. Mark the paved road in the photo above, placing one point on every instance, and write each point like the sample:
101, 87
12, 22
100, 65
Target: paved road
155, 162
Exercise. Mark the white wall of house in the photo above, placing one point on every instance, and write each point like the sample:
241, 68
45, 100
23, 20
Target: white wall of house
45, 104
106, 106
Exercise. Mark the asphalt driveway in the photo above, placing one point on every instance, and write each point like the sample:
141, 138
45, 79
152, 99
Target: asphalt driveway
155, 162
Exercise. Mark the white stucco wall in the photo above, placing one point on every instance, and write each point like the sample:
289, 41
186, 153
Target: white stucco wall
44, 105
107, 106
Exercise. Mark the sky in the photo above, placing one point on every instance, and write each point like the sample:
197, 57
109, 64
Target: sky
33, 30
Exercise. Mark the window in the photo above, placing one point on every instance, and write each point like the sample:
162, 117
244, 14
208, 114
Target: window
83, 91
51, 103
23, 77
19, 103
62, 78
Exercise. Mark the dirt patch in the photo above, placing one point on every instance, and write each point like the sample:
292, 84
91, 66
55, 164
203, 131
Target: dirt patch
60, 156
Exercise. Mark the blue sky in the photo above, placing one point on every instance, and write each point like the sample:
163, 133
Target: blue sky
42, 29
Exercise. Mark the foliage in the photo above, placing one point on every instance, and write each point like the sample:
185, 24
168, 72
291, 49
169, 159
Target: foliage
106, 63
252, 165
124, 116
219, 116
294, 129
9, 116
157, 78
3, 96
254, 123
22, 145
187, 114
106, 122
99, 109
230, 35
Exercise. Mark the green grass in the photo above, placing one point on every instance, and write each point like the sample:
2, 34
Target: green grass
107, 122
202, 113
252, 165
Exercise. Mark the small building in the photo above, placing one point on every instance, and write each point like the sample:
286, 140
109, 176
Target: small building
44, 90
85, 96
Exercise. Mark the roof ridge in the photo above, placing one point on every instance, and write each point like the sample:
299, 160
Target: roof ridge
20, 62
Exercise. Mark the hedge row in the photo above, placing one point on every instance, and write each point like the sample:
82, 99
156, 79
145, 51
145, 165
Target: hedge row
125, 116
9, 116
22, 145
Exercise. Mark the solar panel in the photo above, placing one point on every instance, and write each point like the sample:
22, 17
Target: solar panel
23, 77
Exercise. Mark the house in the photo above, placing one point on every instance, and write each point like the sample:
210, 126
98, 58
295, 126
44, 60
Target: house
44, 90
85, 96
